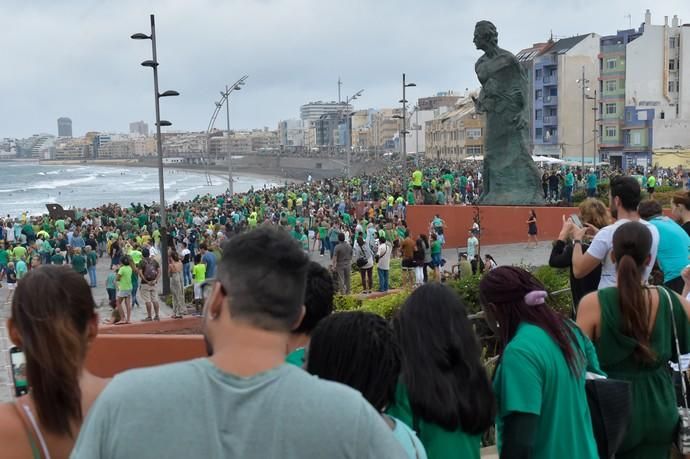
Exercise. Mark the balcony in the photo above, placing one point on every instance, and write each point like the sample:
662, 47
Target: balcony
551, 120
550, 100
550, 80
550, 139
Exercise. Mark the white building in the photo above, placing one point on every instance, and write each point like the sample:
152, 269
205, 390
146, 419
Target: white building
291, 133
658, 76
139, 128
314, 110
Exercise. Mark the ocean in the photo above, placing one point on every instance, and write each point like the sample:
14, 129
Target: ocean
28, 187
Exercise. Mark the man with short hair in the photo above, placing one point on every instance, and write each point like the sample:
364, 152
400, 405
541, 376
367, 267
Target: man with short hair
624, 197
407, 248
149, 273
209, 260
243, 401
342, 264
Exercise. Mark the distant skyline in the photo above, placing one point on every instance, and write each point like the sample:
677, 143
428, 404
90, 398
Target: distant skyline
74, 58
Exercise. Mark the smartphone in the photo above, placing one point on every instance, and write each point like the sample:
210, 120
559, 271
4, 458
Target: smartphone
21, 384
576, 220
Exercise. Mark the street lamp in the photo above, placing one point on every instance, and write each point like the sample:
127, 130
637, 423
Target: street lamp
595, 130
404, 131
348, 145
583, 82
153, 63
236, 86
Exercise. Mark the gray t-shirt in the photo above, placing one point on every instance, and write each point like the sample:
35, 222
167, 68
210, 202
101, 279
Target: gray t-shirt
194, 410
343, 255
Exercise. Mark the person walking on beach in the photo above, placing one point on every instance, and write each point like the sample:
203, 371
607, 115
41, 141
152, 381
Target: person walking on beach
532, 229
91, 261
79, 261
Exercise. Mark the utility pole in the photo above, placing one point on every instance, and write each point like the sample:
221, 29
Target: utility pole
227, 118
340, 83
583, 117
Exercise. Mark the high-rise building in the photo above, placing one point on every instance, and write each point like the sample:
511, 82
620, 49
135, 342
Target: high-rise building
64, 127
291, 134
314, 110
557, 92
139, 128
611, 96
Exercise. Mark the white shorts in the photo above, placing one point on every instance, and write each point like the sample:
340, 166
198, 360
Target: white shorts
11, 286
197, 291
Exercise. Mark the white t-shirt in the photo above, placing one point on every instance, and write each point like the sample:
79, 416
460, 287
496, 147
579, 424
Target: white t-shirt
601, 247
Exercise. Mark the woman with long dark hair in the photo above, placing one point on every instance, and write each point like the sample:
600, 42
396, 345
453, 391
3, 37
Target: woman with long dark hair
53, 322
359, 349
540, 378
444, 392
631, 327
532, 229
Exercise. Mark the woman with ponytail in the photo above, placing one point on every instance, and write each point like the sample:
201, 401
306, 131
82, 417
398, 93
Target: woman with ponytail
53, 322
632, 331
540, 378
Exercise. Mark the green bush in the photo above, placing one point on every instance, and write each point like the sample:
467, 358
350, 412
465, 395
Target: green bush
468, 289
385, 306
346, 303
394, 277
556, 280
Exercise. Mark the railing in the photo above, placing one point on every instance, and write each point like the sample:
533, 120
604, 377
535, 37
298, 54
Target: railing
550, 79
551, 100
551, 120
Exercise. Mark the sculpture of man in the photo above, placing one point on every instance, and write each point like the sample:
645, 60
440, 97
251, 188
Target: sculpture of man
510, 175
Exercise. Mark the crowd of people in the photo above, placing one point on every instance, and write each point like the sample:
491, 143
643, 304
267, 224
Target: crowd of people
285, 377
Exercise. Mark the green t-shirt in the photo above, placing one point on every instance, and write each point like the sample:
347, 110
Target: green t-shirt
57, 259
125, 282
18, 252
417, 178
60, 225
4, 257
534, 378
296, 357
438, 442
136, 256
79, 263
651, 181
436, 247
199, 273
323, 232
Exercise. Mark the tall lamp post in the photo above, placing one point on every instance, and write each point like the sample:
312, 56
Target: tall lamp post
349, 124
236, 86
159, 146
594, 131
404, 131
583, 82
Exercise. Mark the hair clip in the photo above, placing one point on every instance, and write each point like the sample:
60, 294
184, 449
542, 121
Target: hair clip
536, 297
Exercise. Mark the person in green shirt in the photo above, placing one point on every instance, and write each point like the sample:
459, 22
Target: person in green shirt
78, 261
540, 381
651, 185
18, 252
199, 276
451, 425
318, 304
323, 237
124, 290
58, 258
4, 258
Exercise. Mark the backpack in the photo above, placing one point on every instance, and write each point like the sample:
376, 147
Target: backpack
150, 270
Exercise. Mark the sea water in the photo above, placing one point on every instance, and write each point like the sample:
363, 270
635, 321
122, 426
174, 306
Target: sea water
28, 187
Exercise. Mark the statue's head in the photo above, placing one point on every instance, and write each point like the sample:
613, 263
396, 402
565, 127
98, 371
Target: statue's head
485, 35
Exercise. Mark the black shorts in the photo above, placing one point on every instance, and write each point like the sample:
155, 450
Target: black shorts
417, 187
650, 189
408, 264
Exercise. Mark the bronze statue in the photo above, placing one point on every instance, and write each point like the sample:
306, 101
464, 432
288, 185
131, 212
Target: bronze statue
510, 176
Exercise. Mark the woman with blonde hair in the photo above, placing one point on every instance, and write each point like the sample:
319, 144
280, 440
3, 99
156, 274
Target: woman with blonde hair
594, 213
680, 207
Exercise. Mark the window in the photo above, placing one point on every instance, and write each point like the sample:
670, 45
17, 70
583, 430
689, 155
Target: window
671, 86
671, 64
611, 85
628, 116
538, 93
553, 92
611, 131
636, 138
610, 109
611, 63
471, 150
538, 133
474, 133
538, 114
537, 74
672, 42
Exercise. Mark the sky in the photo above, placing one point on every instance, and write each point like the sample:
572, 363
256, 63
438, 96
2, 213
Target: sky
74, 58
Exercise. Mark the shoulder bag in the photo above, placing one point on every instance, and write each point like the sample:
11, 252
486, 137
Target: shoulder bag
683, 440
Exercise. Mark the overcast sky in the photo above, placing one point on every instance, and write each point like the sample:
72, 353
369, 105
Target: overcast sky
74, 57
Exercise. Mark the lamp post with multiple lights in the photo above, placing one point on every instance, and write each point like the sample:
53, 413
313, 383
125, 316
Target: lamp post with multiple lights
153, 63
403, 117
236, 86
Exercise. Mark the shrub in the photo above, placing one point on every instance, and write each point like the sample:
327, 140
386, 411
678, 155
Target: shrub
385, 306
556, 280
346, 303
394, 277
468, 289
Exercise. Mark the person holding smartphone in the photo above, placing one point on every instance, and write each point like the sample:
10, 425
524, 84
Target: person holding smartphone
592, 212
52, 324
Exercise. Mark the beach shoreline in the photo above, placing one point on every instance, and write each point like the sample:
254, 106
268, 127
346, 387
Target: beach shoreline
214, 171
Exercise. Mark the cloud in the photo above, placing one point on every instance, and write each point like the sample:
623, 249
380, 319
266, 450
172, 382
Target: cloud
74, 58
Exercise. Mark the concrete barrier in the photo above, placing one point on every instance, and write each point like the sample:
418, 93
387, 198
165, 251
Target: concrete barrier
499, 224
